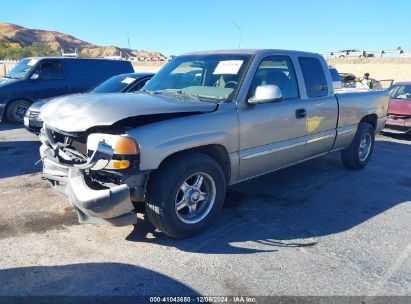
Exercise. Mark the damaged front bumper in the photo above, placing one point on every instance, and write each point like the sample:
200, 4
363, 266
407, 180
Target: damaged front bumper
112, 206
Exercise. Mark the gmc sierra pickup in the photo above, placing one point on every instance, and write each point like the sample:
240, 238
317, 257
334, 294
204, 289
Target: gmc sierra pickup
205, 121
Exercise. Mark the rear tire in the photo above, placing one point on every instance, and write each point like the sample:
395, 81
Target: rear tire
16, 110
175, 188
358, 154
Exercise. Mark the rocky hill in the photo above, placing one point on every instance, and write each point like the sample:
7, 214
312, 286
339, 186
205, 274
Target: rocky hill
24, 37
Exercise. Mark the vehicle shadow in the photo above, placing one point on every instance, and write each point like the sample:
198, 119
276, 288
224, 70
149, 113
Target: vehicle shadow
19, 158
295, 207
94, 280
397, 136
5, 126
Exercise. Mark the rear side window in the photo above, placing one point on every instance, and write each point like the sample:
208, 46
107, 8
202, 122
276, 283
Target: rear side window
334, 75
314, 77
51, 70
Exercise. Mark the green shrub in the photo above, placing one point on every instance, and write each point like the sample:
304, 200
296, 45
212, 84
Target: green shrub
13, 51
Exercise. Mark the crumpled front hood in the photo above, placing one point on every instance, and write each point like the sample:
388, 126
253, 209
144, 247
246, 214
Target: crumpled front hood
77, 113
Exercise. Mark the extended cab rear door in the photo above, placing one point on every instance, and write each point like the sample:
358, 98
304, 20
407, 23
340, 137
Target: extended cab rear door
321, 105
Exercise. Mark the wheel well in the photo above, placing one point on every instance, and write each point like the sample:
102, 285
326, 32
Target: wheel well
371, 119
13, 100
10, 102
218, 152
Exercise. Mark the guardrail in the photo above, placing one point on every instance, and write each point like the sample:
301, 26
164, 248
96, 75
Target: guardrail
366, 54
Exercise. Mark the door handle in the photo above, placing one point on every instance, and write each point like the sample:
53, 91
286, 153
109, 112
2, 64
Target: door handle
300, 113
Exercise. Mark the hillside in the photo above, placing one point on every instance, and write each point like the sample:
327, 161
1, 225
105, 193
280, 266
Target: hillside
24, 37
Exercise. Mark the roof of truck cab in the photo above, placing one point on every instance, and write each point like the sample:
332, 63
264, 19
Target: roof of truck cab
250, 52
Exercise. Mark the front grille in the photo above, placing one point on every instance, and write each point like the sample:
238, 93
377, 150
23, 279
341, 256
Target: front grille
76, 143
34, 114
79, 144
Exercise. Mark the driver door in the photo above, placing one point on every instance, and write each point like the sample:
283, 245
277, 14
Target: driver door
272, 135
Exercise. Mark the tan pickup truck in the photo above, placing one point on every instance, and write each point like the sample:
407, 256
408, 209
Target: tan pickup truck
205, 121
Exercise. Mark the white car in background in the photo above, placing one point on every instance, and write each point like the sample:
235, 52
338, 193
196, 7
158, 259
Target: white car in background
351, 53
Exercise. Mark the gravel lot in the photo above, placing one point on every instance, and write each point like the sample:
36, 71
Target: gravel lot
312, 229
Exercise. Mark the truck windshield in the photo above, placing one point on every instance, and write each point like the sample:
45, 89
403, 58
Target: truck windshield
114, 84
22, 69
213, 78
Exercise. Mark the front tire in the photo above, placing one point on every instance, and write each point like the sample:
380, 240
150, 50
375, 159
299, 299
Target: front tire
16, 110
185, 195
358, 154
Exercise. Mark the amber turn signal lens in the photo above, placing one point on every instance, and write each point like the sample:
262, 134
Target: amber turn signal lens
120, 164
126, 146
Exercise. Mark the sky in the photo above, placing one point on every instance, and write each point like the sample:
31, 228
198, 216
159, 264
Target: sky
176, 27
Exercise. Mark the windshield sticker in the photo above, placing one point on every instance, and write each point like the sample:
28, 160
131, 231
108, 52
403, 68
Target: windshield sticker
128, 80
32, 62
228, 67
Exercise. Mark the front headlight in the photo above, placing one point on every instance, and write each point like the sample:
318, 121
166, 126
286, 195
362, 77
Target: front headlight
122, 145
124, 149
126, 146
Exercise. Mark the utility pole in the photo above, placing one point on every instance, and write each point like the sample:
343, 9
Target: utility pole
128, 41
240, 30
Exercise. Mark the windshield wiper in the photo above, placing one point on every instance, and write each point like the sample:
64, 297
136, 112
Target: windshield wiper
146, 91
181, 94
178, 93
8, 76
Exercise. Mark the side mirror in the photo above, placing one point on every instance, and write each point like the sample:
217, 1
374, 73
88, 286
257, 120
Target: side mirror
35, 76
266, 93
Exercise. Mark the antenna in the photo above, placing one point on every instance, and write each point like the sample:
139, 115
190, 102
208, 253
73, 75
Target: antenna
128, 41
240, 30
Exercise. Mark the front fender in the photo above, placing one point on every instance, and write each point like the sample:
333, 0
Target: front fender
159, 140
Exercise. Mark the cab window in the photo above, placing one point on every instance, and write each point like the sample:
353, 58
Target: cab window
314, 77
279, 71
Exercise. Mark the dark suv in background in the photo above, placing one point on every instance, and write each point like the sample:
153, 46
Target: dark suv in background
45, 77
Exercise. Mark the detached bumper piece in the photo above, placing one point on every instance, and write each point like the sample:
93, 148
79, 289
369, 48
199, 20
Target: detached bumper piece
111, 206
108, 206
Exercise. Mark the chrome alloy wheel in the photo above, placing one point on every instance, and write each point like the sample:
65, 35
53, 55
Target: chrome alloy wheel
195, 198
365, 147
